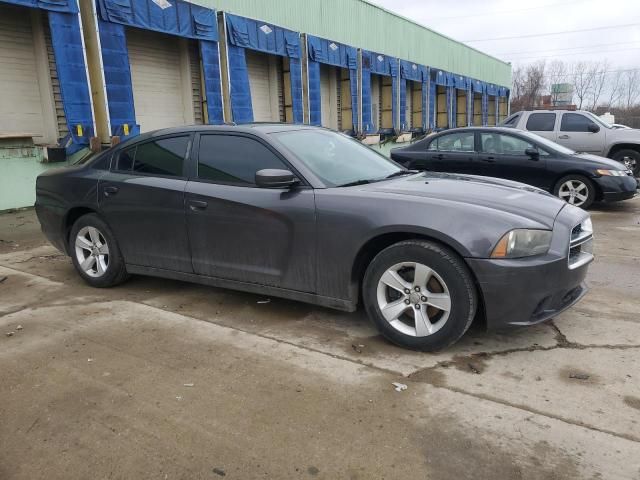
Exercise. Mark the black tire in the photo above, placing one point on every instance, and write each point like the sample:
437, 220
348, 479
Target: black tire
630, 158
591, 188
116, 271
450, 268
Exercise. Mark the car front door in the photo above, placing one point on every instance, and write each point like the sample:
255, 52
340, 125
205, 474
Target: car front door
580, 133
142, 200
505, 156
452, 152
239, 231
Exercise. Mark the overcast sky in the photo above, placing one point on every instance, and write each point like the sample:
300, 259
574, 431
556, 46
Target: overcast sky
469, 20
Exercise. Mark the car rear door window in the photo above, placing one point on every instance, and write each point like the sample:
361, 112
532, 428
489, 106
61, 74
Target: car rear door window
541, 122
574, 122
454, 142
512, 120
163, 157
125, 160
233, 159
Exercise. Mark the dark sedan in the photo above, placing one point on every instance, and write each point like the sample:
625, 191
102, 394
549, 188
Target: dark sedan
313, 215
580, 179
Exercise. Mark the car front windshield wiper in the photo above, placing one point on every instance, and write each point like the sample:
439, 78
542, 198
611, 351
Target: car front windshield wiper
399, 173
363, 181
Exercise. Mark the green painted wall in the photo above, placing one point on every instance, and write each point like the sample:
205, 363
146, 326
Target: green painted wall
363, 25
19, 167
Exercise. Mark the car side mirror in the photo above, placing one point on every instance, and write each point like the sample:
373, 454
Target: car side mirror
533, 153
275, 178
593, 128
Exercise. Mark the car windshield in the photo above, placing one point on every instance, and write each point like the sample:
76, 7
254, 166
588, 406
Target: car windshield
543, 142
336, 159
598, 120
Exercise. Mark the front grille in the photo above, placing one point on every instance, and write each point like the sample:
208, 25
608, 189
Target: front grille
580, 245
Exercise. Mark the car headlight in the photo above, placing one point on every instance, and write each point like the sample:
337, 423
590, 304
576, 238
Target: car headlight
612, 173
522, 243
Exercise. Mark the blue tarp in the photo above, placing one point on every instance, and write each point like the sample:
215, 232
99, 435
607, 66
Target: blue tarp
66, 39
245, 33
375, 63
211, 72
433, 90
416, 73
66, 6
492, 89
117, 76
325, 51
182, 18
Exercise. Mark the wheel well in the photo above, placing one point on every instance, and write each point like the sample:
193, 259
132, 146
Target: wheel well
375, 245
565, 174
623, 146
73, 215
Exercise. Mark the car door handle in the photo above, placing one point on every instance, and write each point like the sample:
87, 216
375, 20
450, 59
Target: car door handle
563, 137
110, 190
438, 157
197, 204
488, 159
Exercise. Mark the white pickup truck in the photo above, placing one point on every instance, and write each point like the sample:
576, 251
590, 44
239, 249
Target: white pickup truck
583, 132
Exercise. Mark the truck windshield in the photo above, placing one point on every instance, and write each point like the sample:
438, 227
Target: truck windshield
598, 120
337, 159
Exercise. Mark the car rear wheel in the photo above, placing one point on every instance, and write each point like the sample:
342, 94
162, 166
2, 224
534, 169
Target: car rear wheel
576, 190
420, 295
630, 159
95, 252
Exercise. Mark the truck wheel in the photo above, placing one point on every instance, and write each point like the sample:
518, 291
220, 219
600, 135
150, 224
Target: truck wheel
95, 252
576, 190
630, 158
420, 295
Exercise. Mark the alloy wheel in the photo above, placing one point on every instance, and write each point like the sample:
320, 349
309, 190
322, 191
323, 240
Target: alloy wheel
92, 251
414, 299
574, 192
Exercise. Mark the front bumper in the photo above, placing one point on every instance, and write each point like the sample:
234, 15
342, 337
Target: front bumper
617, 188
531, 290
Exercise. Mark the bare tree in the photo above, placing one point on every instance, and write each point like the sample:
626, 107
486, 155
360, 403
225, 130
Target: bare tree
528, 85
599, 76
631, 87
582, 75
615, 87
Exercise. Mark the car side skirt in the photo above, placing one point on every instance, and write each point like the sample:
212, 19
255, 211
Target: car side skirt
329, 302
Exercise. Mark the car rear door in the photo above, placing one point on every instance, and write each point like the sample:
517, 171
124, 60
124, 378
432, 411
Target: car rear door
142, 200
238, 231
503, 155
452, 152
580, 133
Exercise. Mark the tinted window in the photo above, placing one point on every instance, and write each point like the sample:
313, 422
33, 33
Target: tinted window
574, 122
103, 162
503, 144
454, 142
234, 159
541, 122
125, 160
161, 157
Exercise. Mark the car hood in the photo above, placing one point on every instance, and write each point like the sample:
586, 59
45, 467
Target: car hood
626, 134
601, 161
494, 193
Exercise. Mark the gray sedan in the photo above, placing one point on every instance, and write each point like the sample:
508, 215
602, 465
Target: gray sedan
312, 215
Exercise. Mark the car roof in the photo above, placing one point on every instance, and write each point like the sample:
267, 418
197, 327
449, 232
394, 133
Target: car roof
264, 127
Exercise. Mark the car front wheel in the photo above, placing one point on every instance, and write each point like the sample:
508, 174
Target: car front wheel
630, 159
95, 252
420, 295
576, 190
